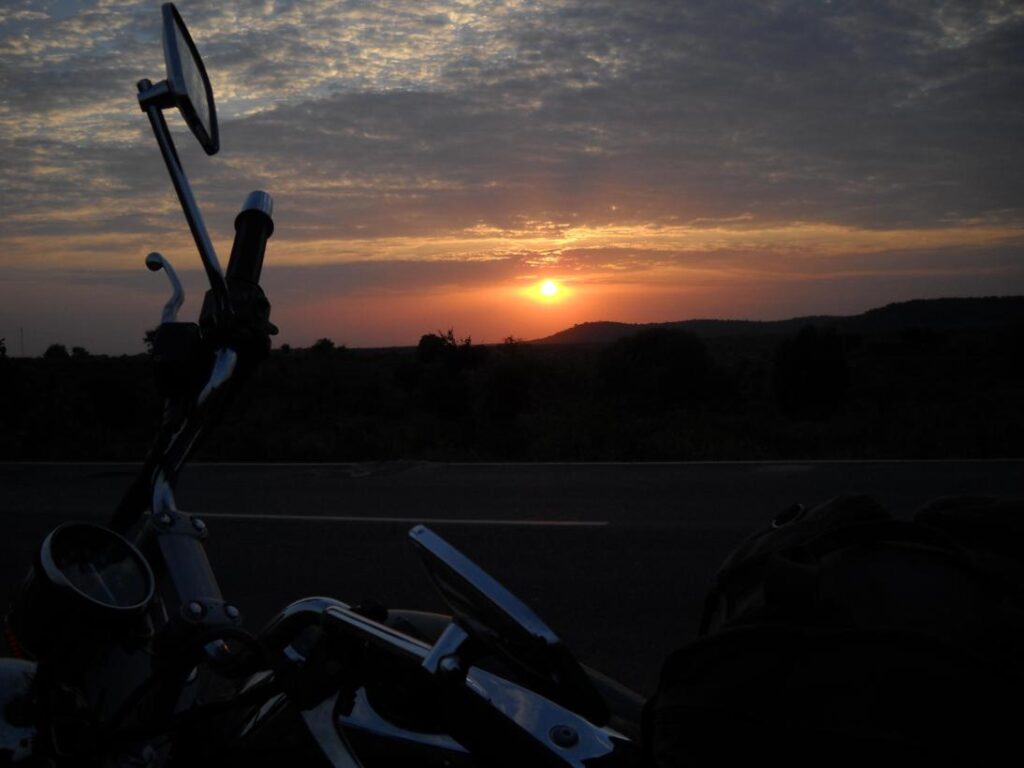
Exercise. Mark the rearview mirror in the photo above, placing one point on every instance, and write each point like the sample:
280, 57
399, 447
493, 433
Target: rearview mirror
187, 81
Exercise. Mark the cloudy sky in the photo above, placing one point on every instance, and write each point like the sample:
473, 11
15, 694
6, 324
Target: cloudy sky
433, 162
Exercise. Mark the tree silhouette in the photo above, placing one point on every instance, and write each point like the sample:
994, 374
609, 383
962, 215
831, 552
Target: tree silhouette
659, 368
56, 352
445, 348
433, 346
811, 374
322, 347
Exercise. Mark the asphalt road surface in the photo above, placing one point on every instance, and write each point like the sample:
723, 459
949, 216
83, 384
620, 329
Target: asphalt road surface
615, 557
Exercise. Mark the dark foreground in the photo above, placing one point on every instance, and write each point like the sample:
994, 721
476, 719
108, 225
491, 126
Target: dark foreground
616, 557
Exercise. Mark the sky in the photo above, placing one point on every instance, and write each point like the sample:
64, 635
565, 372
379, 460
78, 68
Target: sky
432, 163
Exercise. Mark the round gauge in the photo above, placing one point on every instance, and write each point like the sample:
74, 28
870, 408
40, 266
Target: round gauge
98, 565
88, 586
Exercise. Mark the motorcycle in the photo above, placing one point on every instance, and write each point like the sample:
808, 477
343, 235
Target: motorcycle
125, 651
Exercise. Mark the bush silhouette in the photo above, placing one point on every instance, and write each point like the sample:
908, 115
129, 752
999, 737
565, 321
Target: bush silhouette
434, 346
441, 376
445, 348
505, 387
322, 347
56, 352
659, 368
811, 374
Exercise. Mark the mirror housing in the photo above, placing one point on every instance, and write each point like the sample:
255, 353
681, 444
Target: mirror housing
187, 87
187, 81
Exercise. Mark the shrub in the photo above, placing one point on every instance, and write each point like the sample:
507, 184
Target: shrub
56, 352
659, 368
322, 347
811, 374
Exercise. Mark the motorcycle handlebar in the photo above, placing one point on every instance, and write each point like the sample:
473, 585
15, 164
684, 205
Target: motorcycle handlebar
253, 227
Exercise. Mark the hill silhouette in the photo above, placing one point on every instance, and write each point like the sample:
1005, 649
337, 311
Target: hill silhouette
941, 315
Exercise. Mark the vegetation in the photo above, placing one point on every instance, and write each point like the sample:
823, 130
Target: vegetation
811, 374
55, 352
660, 394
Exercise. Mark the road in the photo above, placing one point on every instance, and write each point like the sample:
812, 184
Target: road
616, 557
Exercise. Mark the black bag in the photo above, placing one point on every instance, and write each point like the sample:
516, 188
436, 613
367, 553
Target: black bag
841, 634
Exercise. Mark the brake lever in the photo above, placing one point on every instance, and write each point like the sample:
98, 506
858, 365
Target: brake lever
155, 262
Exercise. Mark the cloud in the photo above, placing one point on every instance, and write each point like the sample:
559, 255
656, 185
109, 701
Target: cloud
581, 133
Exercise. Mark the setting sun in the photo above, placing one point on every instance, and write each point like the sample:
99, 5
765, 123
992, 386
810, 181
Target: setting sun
546, 292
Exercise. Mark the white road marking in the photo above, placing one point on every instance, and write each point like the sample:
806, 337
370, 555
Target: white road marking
411, 520
510, 464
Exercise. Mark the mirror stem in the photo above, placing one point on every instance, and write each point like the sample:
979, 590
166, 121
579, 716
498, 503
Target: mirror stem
151, 101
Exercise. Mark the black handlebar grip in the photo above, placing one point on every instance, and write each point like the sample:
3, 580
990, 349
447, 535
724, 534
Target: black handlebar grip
253, 227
